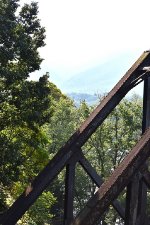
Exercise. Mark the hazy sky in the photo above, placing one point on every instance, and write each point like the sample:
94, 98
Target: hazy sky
84, 33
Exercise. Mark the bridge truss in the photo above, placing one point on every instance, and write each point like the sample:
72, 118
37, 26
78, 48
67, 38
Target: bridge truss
132, 174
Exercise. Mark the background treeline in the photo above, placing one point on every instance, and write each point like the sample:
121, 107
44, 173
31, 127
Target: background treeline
36, 119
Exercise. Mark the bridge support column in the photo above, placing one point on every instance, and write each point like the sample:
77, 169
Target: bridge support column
69, 193
136, 202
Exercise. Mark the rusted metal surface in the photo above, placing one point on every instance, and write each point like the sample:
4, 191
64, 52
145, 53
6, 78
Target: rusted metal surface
69, 193
116, 183
77, 140
142, 204
132, 200
146, 177
69, 188
146, 105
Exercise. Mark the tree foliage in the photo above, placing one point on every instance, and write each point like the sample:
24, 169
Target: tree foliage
25, 106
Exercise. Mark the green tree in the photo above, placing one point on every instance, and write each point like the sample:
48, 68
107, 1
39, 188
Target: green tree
25, 106
61, 126
62, 123
116, 136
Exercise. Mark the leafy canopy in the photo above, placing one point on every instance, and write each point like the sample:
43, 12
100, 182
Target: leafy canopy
25, 106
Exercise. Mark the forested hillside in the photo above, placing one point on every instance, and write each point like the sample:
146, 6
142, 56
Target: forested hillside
36, 119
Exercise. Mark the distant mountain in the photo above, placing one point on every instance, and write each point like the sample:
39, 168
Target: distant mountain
100, 78
79, 97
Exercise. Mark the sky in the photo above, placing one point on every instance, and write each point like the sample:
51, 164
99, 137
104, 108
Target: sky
81, 34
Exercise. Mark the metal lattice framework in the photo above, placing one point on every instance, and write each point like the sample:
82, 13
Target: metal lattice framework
132, 173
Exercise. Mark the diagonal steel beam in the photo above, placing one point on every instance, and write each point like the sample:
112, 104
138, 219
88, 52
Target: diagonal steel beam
77, 140
116, 183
